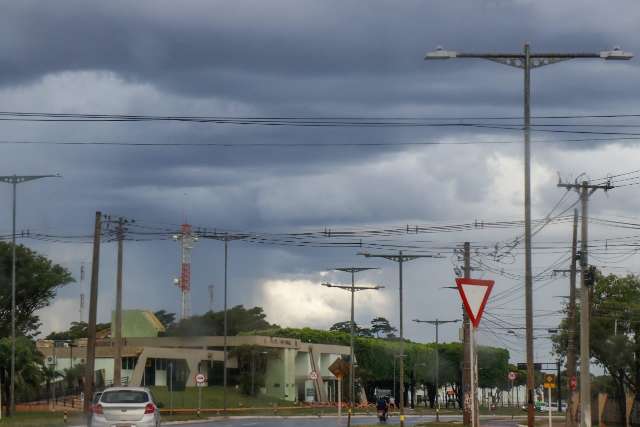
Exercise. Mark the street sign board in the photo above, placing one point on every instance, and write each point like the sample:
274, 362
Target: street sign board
549, 381
573, 383
512, 376
313, 375
339, 368
200, 379
474, 294
523, 366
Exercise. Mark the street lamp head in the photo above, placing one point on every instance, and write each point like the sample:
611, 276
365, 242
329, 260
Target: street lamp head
328, 285
365, 254
440, 53
616, 53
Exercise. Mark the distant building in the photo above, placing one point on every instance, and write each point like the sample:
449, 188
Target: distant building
295, 371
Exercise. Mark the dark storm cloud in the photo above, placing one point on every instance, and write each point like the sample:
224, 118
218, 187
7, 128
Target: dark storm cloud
284, 52
315, 58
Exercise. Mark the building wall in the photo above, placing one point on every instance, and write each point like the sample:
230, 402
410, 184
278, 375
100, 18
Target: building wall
303, 364
280, 378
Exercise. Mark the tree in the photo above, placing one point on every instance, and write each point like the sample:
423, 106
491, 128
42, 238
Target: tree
240, 319
37, 280
50, 374
346, 328
28, 368
380, 325
615, 331
167, 319
76, 331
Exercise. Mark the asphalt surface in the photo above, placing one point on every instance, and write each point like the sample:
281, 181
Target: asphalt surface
330, 421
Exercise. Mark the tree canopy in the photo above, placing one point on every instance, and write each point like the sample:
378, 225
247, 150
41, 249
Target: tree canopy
381, 326
240, 319
37, 279
615, 331
346, 328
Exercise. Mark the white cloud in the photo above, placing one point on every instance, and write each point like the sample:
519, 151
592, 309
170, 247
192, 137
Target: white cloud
302, 302
59, 315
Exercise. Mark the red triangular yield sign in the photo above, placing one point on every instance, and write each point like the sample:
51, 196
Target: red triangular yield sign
474, 294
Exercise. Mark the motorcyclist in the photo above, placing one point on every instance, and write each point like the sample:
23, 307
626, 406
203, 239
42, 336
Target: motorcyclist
383, 405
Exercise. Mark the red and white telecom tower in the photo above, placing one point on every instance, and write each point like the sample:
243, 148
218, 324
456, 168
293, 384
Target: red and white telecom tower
187, 240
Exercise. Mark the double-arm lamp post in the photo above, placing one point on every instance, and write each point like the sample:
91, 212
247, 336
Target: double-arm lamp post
14, 180
437, 324
526, 60
353, 289
401, 257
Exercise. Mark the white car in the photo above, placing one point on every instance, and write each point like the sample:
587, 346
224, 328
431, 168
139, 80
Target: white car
126, 407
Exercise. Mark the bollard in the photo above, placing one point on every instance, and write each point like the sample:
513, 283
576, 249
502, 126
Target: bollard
65, 418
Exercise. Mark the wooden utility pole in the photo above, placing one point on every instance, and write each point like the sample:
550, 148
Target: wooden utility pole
571, 346
585, 190
117, 336
91, 328
466, 366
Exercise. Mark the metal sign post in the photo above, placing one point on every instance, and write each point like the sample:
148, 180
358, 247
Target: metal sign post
549, 383
475, 294
200, 380
339, 397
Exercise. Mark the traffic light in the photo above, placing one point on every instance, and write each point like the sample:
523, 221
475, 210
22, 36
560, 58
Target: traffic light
590, 276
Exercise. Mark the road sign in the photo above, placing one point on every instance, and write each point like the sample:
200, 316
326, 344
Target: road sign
523, 366
512, 376
313, 375
549, 381
474, 294
200, 379
573, 383
339, 368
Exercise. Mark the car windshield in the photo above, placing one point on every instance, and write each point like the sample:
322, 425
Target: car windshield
124, 396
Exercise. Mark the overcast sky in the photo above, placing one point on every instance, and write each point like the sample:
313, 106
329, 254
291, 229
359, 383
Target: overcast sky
308, 59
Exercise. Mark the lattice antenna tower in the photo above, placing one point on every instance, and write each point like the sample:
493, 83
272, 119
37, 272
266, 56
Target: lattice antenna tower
186, 240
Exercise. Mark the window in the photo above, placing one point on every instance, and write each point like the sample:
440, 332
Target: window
129, 362
161, 364
124, 396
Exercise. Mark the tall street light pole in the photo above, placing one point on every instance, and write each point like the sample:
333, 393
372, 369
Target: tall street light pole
14, 180
526, 60
400, 258
437, 323
226, 238
353, 289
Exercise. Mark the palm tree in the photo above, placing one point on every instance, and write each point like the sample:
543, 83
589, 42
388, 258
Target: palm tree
50, 374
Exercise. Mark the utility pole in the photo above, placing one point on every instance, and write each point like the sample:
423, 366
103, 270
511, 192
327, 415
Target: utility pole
585, 189
468, 403
400, 258
353, 289
117, 359
211, 298
226, 238
81, 310
91, 327
571, 345
14, 180
526, 60
437, 323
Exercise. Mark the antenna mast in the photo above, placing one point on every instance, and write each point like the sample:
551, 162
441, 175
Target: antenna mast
186, 240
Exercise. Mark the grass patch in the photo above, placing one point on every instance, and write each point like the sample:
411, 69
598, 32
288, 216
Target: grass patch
212, 397
44, 419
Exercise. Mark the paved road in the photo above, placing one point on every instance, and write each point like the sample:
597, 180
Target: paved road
331, 421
